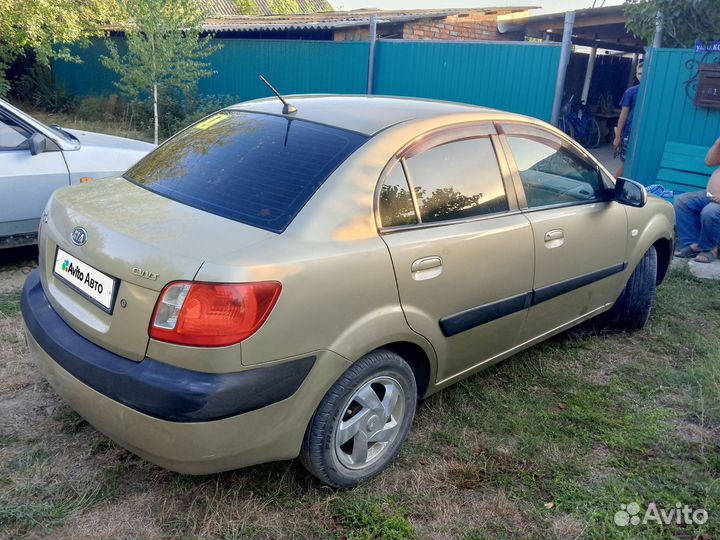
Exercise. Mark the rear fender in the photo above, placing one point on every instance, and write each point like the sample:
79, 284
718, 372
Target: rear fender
377, 329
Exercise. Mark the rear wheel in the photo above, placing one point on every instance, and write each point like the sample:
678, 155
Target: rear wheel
362, 421
632, 309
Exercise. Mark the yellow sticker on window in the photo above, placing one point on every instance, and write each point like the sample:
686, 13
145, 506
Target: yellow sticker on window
209, 122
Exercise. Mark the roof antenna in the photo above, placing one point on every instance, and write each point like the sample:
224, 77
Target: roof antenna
287, 108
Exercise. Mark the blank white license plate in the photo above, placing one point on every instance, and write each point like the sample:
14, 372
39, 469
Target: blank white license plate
98, 287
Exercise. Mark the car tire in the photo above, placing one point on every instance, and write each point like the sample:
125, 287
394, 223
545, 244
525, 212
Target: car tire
632, 309
363, 420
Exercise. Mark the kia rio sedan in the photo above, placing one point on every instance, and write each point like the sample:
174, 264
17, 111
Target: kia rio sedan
269, 285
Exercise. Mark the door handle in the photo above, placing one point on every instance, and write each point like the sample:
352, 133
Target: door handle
555, 234
426, 268
426, 263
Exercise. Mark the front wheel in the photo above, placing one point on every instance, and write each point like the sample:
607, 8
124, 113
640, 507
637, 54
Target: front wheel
632, 309
362, 421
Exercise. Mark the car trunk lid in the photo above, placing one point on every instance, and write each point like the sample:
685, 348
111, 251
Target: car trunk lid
141, 240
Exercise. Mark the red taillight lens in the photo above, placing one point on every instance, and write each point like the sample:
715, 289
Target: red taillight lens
212, 314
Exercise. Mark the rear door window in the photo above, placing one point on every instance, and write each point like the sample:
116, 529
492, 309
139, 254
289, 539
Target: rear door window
396, 202
253, 168
457, 180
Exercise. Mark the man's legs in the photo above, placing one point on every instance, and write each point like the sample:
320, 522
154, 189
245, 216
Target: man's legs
623, 154
710, 227
688, 207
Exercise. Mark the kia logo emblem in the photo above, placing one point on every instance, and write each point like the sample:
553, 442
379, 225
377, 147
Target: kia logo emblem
79, 236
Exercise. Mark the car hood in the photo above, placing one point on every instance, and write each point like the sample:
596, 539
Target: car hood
101, 156
99, 140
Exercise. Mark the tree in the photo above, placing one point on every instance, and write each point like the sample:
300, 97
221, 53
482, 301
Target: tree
684, 21
47, 27
277, 7
164, 50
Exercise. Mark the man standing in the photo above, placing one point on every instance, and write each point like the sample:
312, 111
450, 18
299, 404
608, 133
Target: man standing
698, 216
624, 125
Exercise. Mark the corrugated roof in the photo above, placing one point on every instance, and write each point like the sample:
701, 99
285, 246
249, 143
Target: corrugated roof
340, 19
228, 8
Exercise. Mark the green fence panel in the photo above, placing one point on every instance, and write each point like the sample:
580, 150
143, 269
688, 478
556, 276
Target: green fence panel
665, 112
516, 77
87, 77
292, 66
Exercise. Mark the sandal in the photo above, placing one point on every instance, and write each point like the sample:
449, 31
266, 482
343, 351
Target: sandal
706, 257
686, 253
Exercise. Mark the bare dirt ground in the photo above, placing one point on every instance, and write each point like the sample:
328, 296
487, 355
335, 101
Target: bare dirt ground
16, 267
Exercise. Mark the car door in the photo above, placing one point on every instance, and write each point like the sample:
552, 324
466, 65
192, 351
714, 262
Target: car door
461, 250
26, 180
580, 236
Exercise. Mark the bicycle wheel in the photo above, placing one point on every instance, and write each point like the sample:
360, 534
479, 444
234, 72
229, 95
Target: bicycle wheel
592, 133
566, 127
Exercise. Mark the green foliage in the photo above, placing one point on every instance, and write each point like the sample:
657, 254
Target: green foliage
165, 50
9, 303
285, 7
36, 87
247, 7
277, 7
368, 517
47, 27
684, 21
177, 110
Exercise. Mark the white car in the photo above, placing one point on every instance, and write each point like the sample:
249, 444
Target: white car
36, 159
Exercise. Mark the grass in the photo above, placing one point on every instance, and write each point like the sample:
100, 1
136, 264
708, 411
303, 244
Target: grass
10, 303
549, 443
71, 121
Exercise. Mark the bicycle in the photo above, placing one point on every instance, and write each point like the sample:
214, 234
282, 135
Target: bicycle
580, 124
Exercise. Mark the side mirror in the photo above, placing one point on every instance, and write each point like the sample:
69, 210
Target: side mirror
38, 143
630, 192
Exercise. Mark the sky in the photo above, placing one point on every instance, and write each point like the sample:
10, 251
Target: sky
547, 6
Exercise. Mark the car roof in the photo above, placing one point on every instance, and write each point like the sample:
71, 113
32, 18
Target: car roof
362, 114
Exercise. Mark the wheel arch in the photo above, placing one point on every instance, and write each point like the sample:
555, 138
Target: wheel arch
663, 247
656, 233
418, 360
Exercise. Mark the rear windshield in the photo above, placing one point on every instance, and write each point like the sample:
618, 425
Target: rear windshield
258, 169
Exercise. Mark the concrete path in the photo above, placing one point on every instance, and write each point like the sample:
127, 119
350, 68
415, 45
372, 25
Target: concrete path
604, 154
699, 270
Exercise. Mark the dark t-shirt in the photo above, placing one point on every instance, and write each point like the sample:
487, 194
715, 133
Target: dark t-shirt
628, 100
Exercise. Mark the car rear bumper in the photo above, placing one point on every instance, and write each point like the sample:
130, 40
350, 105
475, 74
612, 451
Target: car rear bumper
184, 420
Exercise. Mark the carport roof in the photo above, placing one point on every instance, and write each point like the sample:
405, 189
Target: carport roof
603, 27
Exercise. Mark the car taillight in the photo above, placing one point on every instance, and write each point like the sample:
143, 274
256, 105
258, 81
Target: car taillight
212, 314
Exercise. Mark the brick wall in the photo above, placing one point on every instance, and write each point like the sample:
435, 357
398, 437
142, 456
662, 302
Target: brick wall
354, 34
470, 27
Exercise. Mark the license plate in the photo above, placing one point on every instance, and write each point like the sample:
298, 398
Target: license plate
94, 285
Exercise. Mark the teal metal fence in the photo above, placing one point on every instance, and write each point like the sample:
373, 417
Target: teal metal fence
666, 113
89, 77
292, 66
517, 77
